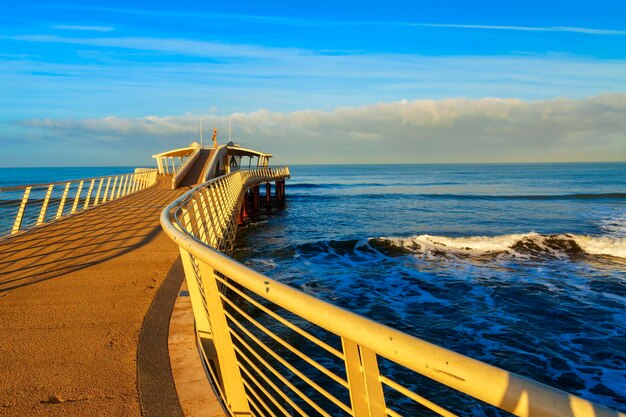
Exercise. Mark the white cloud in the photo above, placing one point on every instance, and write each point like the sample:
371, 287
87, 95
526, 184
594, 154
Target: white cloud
84, 28
188, 47
449, 130
247, 77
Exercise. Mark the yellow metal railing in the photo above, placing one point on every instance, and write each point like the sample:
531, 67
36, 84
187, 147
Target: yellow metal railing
186, 164
24, 207
272, 350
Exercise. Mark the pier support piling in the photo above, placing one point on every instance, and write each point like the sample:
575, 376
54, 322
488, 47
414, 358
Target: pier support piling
256, 197
280, 192
244, 209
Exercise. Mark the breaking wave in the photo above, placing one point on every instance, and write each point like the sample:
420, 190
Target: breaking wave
521, 245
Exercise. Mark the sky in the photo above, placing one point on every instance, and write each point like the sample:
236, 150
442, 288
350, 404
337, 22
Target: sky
113, 82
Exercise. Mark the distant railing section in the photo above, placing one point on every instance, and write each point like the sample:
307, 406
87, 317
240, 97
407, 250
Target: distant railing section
181, 171
27, 206
273, 350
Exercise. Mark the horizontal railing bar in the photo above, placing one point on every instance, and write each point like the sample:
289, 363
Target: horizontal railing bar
266, 378
286, 365
392, 413
295, 351
255, 410
254, 403
417, 398
262, 388
286, 322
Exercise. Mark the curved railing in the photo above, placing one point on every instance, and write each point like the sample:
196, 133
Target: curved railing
273, 350
26, 206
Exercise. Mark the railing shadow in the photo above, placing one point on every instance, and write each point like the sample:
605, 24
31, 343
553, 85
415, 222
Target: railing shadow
83, 240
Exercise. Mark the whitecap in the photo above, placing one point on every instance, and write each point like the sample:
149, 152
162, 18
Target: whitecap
522, 244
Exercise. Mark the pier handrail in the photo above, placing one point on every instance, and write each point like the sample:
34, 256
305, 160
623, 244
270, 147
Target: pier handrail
23, 207
258, 370
185, 167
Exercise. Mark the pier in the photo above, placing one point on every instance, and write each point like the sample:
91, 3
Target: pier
86, 318
73, 297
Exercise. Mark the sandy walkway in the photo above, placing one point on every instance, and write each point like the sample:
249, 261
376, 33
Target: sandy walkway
73, 296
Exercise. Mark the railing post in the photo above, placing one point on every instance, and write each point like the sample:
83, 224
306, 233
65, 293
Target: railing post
20, 212
126, 181
77, 198
93, 182
138, 181
236, 399
63, 198
366, 391
120, 187
113, 189
135, 182
122, 192
195, 294
106, 190
95, 202
44, 206
126, 185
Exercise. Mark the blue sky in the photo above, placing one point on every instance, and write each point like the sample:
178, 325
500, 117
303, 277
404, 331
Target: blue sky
66, 67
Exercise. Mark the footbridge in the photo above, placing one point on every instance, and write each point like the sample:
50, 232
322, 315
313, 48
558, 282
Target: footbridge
130, 305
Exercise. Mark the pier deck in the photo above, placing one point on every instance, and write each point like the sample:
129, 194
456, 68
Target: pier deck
73, 297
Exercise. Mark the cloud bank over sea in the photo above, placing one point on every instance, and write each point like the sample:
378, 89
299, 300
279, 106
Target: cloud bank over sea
410, 131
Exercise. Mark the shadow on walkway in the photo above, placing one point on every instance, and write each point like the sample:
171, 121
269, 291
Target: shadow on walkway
83, 240
73, 297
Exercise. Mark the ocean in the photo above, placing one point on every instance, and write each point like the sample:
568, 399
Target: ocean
522, 266
11, 177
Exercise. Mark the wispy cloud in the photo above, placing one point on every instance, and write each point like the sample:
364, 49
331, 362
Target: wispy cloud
298, 21
587, 31
449, 130
189, 47
84, 28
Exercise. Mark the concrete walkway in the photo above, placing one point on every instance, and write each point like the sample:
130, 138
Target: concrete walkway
73, 297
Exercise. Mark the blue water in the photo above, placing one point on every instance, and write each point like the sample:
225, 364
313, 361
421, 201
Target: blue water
10, 177
521, 266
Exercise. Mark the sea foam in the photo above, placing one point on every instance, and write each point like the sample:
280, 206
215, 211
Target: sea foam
515, 244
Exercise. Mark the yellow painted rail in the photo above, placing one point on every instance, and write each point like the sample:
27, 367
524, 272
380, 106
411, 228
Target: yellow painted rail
28, 206
272, 350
